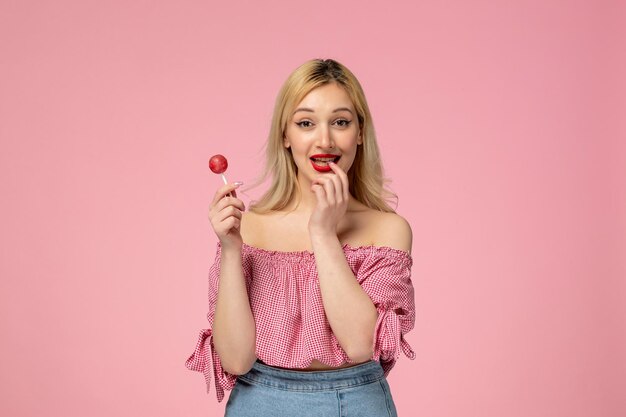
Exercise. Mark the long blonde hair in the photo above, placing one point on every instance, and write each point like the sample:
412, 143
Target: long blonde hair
365, 176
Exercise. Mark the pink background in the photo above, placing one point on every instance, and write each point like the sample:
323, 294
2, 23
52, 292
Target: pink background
501, 125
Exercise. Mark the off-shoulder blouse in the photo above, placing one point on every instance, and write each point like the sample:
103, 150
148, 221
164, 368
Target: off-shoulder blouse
291, 326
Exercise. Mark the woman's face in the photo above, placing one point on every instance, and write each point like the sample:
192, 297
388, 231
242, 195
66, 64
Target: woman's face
324, 126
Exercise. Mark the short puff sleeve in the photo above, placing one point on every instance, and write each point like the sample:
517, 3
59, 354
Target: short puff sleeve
385, 275
205, 359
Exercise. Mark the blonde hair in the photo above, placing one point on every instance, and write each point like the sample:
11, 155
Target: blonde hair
365, 176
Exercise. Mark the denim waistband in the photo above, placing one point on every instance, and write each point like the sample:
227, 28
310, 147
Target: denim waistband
361, 374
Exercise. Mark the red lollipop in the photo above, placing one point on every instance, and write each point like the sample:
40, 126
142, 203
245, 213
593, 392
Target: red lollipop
218, 164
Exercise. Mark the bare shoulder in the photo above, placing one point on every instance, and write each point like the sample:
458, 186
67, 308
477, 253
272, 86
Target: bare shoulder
250, 227
390, 229
257, 229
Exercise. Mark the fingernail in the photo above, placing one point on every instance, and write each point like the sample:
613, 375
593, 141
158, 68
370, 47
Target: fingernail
238, 183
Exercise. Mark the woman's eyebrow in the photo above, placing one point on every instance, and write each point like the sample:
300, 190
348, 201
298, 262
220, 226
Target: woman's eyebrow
342, 109
304, 109
313, 111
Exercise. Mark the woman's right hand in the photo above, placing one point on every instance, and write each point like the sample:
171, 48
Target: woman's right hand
225, 216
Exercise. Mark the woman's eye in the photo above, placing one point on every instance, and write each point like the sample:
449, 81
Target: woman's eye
343, 122
304, 123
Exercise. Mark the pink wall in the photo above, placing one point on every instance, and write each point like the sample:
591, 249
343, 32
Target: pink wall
501, 125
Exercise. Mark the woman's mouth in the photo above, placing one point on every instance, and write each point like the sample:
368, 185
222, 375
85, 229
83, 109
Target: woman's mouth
320, 161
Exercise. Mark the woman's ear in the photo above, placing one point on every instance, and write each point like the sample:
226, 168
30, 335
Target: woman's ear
286, 143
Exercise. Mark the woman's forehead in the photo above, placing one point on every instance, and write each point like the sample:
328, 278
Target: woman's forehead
328, 97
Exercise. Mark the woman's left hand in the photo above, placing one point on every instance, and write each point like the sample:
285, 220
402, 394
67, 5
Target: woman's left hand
332, 194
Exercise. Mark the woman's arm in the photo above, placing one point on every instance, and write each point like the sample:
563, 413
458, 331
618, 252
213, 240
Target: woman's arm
234, 331
350, 311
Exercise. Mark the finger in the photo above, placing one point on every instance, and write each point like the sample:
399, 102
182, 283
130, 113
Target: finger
230, 201
223, 227
215, 212
344, 180
223, 221
232, 223
227, 212
337, 187
223, 190
329, 188
320, 193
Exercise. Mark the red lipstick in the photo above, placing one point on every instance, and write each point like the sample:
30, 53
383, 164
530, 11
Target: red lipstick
320, 161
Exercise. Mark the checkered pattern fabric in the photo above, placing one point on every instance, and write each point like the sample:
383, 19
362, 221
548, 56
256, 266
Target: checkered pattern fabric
291, 326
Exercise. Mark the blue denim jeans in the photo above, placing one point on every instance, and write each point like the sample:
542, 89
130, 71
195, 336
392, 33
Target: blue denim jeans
360, 390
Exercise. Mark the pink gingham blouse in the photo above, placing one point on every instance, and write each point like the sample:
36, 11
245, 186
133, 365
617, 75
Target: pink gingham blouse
291, 326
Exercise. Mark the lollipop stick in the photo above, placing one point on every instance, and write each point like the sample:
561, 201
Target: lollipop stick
226, 182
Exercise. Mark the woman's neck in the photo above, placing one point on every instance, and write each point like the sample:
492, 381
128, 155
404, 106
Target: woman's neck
305, 201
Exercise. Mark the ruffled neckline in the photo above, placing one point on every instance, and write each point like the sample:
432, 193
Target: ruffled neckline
347, 248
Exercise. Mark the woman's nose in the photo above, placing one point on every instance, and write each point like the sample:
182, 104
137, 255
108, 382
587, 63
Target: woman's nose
325, 138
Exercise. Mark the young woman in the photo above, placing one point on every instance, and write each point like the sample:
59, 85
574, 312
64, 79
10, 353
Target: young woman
310, 295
